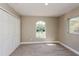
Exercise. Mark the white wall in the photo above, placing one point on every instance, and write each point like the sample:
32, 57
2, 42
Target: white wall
28, 28
72, 40
9, 33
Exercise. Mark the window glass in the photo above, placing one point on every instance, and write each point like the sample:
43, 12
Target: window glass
40, 29
74, 25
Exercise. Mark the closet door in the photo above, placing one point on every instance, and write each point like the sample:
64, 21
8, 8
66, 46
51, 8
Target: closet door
3, 32
9, 33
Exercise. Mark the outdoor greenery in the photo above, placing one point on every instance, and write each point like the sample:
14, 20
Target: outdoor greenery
40, 28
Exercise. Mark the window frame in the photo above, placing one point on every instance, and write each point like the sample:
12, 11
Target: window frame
75, 33
36, 28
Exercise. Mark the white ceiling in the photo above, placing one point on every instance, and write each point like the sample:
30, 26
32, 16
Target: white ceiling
40, 9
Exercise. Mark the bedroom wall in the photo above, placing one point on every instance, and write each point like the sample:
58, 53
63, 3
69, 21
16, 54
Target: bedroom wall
72, 40
28, 28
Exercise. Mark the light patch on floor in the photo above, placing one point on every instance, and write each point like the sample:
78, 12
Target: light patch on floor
50, 44
42, 50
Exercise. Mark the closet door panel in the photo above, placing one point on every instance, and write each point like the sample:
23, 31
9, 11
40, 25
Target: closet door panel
9, 33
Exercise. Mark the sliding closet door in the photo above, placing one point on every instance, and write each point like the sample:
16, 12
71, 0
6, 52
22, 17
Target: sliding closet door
9, 33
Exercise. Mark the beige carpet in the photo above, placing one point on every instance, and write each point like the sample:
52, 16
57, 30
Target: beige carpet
42, 50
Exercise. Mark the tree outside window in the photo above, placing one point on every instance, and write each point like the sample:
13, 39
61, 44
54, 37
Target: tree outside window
40, 29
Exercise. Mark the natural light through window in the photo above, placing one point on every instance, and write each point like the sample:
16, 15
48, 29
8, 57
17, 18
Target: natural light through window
74, 25
40, 29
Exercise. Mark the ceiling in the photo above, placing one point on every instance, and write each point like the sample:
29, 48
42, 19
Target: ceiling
40, 9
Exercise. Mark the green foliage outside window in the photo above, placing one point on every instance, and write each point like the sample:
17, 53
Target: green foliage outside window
40, 28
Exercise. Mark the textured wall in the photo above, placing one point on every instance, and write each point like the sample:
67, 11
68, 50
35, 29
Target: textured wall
28, 28
71, 40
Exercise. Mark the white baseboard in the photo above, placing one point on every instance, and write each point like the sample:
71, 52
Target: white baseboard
71, 49
39, 42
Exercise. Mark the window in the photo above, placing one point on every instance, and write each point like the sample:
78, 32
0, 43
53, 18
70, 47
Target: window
74, 25
40, 29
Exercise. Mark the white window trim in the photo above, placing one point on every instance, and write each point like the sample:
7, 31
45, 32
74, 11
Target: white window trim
75, 33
